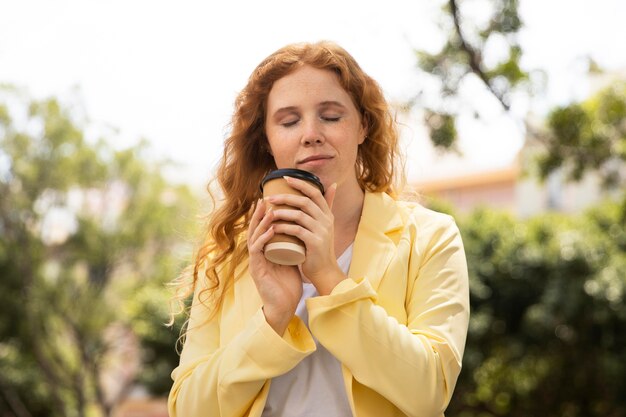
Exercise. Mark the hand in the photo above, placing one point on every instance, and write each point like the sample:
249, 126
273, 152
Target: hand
279, 286
313, 223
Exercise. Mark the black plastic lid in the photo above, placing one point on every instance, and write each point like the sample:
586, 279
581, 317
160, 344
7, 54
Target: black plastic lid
295, 173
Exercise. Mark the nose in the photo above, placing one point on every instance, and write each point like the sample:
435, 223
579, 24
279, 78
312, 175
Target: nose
312, 134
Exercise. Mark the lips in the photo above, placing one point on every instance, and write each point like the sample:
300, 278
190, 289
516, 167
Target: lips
314, 158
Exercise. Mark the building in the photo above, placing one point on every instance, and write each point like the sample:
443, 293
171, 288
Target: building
513, 190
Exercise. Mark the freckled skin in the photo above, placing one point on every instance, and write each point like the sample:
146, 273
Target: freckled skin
309, 113
311, 124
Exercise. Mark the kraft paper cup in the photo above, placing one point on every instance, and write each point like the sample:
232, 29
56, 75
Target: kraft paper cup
285, 249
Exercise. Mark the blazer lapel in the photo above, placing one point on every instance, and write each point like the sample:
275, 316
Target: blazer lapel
373, 251
373, 247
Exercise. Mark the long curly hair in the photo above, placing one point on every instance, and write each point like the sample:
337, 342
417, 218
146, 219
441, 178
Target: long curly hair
246, 159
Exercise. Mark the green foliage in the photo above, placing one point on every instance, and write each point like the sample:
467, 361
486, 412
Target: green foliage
442, 130
462, 56
88, 238
548, 322
547, 330
509, 71
580, 137
504, 20
588, 136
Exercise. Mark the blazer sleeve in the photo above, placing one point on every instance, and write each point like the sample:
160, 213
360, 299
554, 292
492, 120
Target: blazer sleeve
223, 379
414, 365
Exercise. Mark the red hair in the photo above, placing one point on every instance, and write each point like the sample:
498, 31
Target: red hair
246, 159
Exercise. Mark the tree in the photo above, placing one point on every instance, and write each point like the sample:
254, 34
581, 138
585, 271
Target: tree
462, 57
588, 137
88, 237
548, 321
548, 315
579, 137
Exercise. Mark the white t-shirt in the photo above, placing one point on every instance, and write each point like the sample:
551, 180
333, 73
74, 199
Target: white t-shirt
314, 388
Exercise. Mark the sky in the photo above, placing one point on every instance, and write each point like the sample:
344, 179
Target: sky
169, 71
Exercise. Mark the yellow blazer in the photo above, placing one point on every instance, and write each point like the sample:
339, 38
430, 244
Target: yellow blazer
397, 325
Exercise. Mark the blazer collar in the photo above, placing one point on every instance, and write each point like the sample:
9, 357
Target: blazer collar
373, 246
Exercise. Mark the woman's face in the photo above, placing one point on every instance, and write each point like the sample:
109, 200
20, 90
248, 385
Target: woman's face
312, 124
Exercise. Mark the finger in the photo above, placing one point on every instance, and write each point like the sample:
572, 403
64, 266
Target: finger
258, 228
330, 194
291, 229
298, 202
262, 240
257, 247
255, 220
307, 189
298, 216
263, 225
257, 215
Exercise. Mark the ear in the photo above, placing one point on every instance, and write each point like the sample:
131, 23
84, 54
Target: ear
265, 145
364, 128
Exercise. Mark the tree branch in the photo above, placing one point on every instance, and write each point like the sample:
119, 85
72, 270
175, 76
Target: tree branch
13, 400
93, 370
474, 58
50, 374
54, 380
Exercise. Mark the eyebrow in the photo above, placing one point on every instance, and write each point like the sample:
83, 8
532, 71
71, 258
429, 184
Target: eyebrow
331, 103
323, 104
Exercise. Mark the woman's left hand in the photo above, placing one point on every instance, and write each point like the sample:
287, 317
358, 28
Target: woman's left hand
313, 223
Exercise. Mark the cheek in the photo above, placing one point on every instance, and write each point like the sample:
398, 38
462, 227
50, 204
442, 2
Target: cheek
272, 142
280, 152
352, 141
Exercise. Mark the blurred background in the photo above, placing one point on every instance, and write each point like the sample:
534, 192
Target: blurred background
112, 118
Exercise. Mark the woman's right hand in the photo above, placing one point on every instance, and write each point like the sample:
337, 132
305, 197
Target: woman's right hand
279, 286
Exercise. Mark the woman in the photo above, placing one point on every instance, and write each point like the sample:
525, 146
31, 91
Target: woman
373, 323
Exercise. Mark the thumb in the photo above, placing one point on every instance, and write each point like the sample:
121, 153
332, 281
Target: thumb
330, 195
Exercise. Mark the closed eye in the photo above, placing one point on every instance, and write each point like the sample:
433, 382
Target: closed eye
290, 123
331, 119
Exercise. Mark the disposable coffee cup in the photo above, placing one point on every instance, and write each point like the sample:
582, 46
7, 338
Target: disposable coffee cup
285, 249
